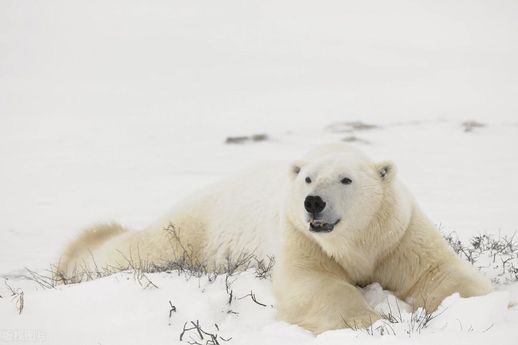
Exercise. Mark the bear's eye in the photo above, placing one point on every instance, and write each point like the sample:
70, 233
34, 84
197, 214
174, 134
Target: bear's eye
308, 180
346, 180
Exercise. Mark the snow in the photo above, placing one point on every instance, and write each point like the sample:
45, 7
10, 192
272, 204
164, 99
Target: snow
119, 109
463, 313
119, 309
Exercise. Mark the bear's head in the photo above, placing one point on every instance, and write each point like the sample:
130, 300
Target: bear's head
336, 192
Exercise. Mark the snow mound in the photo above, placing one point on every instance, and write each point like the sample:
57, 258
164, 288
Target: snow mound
472, 314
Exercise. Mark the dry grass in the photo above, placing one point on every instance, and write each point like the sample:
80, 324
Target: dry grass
186, 264
494, 255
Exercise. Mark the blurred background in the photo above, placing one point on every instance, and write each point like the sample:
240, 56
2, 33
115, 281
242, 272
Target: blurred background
118, 109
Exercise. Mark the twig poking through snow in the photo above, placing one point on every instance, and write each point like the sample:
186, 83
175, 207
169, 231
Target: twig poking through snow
200, 332
17, 294
171, 311
252, 296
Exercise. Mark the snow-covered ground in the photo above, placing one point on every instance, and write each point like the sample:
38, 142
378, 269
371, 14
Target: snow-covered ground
119, 109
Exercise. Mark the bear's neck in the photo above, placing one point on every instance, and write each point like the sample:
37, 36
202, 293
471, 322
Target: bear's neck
363, 253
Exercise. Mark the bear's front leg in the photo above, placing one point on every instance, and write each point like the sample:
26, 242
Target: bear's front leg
320, 300
312, 290
444, 279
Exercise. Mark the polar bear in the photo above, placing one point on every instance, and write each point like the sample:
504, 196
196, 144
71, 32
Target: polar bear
334, 220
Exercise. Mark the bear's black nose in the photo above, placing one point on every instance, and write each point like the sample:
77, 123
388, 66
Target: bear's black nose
314, 204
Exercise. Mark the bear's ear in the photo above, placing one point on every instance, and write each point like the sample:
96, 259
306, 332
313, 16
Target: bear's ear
386, 171
295, 168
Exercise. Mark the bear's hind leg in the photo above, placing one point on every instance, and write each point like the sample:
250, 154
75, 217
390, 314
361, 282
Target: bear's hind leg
76, 262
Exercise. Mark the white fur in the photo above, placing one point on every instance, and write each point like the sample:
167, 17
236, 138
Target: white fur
381, 235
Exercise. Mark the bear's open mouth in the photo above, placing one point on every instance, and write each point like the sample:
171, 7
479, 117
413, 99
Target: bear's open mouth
320, 226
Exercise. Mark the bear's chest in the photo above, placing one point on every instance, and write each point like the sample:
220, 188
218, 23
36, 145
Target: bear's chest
359, 267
